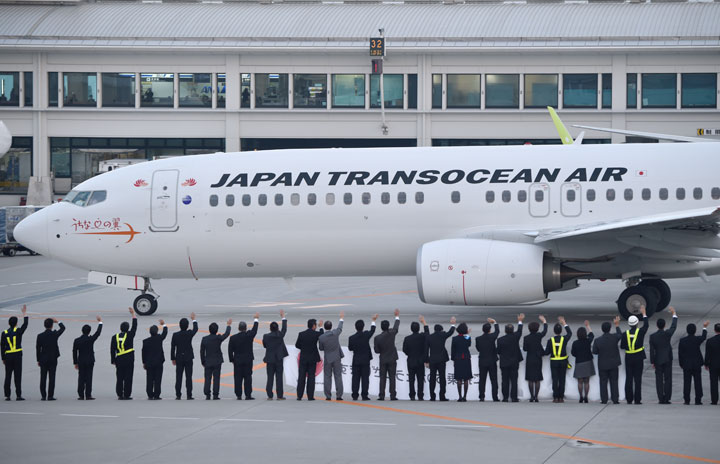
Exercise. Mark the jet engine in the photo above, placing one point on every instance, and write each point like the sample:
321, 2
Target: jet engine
479, 272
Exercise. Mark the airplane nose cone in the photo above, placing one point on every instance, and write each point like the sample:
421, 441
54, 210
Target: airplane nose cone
32, 233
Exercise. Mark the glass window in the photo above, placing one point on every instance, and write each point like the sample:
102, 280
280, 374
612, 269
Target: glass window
632, 90
680, 193
455, 197
522, 196
610, 195
715, 193
310, 90
118, 89
262, 199
271, 90
312, 199
490, 196
590, 195
463, 90
393, 90
697, 193
213, 200
157, 90
663, 194
80, 198
348, 90
9, 88
385, 198
580, 90
646, 194
330, 199
245, 90
419, 198
506, 196
541, 90
52, 89
295, 199
366, 198
246, 199
539, 196
230, 200
195, 90
698, 90
570, 195
347, 198
502, 91
402, 198
80, 89
659, 90
628, 194
412, 91
607, 90
279, 199
437, 90
28, 86
16, 166
221, 88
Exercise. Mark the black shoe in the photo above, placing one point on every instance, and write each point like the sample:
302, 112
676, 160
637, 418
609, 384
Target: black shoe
366, 398
90, 398
354, 398
714, 403
52, 398
20, 398
151, 398
43, 399
216, 397
444, 399
638, 402
504, 400
432, 398
279, 398
698, 402
298, 398
482, 400
80, 398
249, 398
421, 399
190, 398
339, 398
7, 398
393, 398
207, 397
495, 400
381, 398
686, 402
178, 397
311, 399
616, 402
328, 399
515, 400
238, 398
412, 399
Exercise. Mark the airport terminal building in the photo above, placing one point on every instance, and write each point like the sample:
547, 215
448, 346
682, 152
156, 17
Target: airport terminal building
86, 82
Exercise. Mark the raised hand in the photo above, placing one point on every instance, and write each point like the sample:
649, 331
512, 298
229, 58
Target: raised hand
397, 312
229, 322
672, 310
282, 313
132, 312
320, 323
342, 314
491, 320
587, 324
561, 320
705, 324
192, 316
453, 320
257, 316
374, 318
162, 322
542, 319
99, 319
616, 320
422, 320
521, 316
55, 320
643, 310
24, 310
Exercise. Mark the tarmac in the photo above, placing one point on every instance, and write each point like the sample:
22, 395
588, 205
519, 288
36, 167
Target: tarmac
142, 431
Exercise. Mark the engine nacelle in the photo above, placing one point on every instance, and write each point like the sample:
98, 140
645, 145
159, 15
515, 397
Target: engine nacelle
478, 272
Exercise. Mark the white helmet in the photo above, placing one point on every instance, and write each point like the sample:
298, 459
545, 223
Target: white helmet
633, 320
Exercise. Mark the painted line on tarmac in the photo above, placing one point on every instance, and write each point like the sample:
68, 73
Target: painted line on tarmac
82, 288
457, 426
23, 413
348, 423
90, 415
253, 420
168, 418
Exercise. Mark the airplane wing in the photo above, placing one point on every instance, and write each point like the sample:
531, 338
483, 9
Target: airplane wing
649, 135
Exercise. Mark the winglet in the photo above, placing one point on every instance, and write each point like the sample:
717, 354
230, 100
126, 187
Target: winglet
565, 136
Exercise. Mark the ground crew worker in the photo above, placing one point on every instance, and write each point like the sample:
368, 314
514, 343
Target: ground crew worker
632, 342
556, 348
11, 351
122, 355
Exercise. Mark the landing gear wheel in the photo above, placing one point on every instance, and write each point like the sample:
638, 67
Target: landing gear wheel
632, 298
145, 304
663, 289
11, 252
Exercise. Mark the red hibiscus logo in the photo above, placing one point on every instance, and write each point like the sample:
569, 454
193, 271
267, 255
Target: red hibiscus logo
189, 182
140, 183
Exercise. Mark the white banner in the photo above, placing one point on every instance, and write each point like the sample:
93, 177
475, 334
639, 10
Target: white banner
403, 390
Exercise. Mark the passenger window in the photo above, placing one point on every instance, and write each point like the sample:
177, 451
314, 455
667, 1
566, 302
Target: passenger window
455, 197
506, 196
230, 200
522, 196
246, 200
213, 200
295, 199
490, 196
366, 198
402, 198
697, 194
715, 193
539, 196
590, 195
663, 194
610, 195
570, 195
262, 199
419, 198
312, 199
646, 194
279, 199
347, 198
97, 196
385, 198
330, 199
680, 193
628, 194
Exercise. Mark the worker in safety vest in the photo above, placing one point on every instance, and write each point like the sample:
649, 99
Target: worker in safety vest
122, 355
556, 348
11, 351
632, 342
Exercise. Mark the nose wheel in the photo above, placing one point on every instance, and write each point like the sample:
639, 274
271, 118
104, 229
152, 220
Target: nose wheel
145, 304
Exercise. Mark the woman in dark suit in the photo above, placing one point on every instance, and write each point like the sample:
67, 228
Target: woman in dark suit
460, 354
584, 366
532, 344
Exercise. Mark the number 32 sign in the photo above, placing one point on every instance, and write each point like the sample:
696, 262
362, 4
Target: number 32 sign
377, 46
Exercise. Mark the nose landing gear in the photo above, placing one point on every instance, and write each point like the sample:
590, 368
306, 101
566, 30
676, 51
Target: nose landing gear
146, 304
654, 294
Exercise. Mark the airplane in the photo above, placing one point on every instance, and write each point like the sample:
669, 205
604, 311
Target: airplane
477, 226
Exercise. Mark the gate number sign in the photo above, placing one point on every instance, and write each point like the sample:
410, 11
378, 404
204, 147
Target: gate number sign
377, 46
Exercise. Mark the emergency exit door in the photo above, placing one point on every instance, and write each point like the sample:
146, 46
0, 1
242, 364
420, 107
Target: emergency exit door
539, 200
163, 203
571, 199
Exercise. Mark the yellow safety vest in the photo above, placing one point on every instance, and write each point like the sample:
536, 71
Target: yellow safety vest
631, 339
557, 349
121, 345
12, 342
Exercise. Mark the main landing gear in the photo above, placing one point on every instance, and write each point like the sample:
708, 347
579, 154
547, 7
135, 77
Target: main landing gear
146, 304
654, 294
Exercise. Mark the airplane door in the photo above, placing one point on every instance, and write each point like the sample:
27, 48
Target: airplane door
571, 199
539, 200
163, 203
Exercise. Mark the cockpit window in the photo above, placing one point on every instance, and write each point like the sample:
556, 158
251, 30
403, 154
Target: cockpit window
98, 196
86, 198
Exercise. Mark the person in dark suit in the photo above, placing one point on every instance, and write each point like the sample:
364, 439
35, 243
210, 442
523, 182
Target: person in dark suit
632, 342
487, 358
48, 352
556, 348
508, 349
416, 349
532, 345
359, 344
11, 351
181, 355
385, 347
606, 348
712, 363
84, 359
691, 361
329, 343
275, 352
309, 357
153, 358
122, 356
462, 363
240, 353
438, 358
211, 358
584, 365
661, 357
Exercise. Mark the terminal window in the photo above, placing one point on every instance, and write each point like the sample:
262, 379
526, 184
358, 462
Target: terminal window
52, 89
580, 90
502, 90
245, 82
463, 90
348, 90
412, 91
698, 90
79, 89
310, 90
437, 90
631, 90
16, 166
195, 90
607, 90
118, 89
271, 90
221, 90
659, 90
9, 89
393, 84
28, 85
541, 90
157, 90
